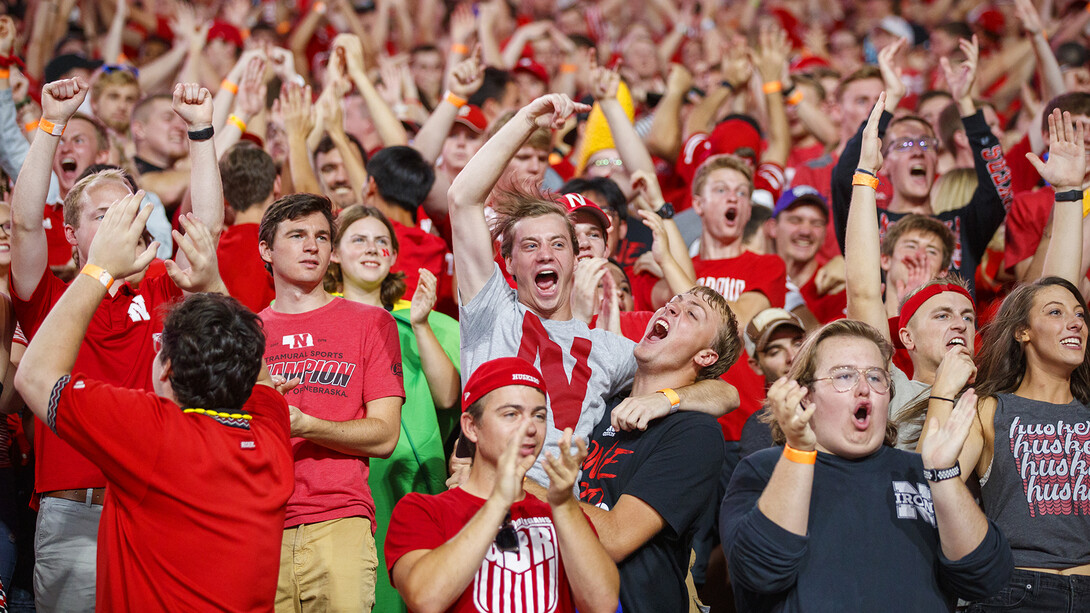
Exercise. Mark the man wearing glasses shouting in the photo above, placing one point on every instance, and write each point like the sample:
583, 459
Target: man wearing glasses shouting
487, 545
911, 156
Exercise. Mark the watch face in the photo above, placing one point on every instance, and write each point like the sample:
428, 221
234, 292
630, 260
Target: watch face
666, 211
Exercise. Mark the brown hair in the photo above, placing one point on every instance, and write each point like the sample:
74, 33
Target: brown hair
393, 285
866, 72
513, 206
293, 206
248, 175
718, 162
920, 223
102, 139
540, 139
727, 344
1076, 103
115, 78
805, 366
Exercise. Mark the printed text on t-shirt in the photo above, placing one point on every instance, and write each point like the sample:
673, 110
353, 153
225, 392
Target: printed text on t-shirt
1052, 460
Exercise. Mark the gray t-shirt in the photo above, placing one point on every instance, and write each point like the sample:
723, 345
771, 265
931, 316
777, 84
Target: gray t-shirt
582, 368
908, 392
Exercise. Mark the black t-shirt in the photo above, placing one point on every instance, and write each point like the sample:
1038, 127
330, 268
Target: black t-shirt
872, 542
673, 466
145, 167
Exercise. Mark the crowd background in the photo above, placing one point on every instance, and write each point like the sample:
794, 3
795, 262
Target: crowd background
326, 86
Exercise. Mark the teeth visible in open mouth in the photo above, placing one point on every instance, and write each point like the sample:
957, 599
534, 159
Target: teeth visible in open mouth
1071, 342
918, 169
68, 164
957, 341
861, 413
660, 329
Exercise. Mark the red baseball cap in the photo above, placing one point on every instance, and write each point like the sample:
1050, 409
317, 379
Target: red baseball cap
528, 65
472, 117
578, 202
498, 373
225, 31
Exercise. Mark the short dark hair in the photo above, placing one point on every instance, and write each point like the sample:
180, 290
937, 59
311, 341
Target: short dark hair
493, 87
1076, 103
928, 95
293, 206
608, 188
326, 144
215, 347
140, 111
402, 176
248, 174
757, 218
920, 223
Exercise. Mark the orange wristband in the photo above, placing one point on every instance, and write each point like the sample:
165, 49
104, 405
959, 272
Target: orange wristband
31, 126
49, 127
459, 48
772, 87
799, 457
671, 395
457, 101
234, 119
229, 86
865, 180
794, 98
5, 73
568, 68
320, 7
98, 274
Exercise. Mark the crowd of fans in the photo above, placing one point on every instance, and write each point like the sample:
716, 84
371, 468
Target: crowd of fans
544, 305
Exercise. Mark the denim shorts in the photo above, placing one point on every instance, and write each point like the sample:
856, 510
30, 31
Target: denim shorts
1031, 591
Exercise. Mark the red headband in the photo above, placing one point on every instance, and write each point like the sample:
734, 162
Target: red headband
920, 297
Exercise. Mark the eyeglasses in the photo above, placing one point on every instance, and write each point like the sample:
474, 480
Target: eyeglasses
925, 143
6, 227
845, 378
133, 70
507, 540
608, 162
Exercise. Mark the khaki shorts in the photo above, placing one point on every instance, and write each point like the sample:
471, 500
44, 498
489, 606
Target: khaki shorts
328, 566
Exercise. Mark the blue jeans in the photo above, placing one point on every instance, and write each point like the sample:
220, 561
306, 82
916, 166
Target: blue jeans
1030, 591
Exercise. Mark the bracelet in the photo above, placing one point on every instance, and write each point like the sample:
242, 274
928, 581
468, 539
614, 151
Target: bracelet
671, 395
864, 180
98, 274
794, 98
30, 126
457, 101
567, 68
798, 456
942, 474
229, 86
202, 134
866, 172
49, 127
459, 48
941, 398
772, 87
1073, 195
25, 101
5, 73
320, 7
236, 121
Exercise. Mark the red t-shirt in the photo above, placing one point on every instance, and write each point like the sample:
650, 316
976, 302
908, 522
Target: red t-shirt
345, 354
748, 272
118, 349
531, 580
827, 307
1026, 221
751, 392
419, 249
242, 269
60, 250
800, 155
194, 507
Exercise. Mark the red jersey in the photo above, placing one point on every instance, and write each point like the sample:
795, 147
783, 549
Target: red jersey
418, 249
1026, 220
242, 269
531, 580
748, 272
345, 354
827, 307
751, 392
195, 504
60, 250
118, 349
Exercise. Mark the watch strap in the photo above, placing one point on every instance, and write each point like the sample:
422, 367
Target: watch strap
1073, 195
942, 474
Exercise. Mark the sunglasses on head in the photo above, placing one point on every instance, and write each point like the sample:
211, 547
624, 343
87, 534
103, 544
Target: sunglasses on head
108, 68
507, 539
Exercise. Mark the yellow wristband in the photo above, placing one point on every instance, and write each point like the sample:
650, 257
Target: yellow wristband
457, 101
1086, 203
5, 73
799, 457
772, 87
459, 48
49, 127
794, 98
233, 119
98, 274
671, 395
229, 86
865, 180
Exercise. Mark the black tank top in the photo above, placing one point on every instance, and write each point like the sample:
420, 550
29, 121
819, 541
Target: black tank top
1037, 489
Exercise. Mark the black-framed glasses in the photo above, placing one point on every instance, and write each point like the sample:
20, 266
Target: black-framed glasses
845, 378
507, 539
925, 143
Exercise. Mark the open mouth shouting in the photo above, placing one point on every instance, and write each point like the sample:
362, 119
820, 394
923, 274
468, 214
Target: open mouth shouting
861, 415
660, 329
547, 280
957, 341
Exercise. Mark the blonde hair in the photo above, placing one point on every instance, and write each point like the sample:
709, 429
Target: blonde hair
718, 162
73, 202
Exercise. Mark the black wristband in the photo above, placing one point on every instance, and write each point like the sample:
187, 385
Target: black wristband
202, 134
941, 398
942, 474
866, 172
1074, 195
790, 90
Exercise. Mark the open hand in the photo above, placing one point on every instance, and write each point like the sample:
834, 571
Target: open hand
563, 470
785, 401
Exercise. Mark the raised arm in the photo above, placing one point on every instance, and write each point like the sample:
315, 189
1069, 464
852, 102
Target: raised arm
248, 104
786, 499
464, 80
604, 85
770, 56
1052, 80
1064, 171
664, 138
298, 115
862, 249
439, 371
193, 103
29, 252
386, 123
472, 240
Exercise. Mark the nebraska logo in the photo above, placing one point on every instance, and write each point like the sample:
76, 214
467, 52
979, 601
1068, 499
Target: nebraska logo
138, 311
1051, 459
914, 501
297, 341
565, 395
524, 580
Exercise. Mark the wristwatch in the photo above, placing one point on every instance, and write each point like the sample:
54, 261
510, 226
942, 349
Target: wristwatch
942, 474
666, 211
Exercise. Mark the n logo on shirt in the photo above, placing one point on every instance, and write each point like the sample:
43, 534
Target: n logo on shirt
914, 501
297, 341
565, 395
138, 311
